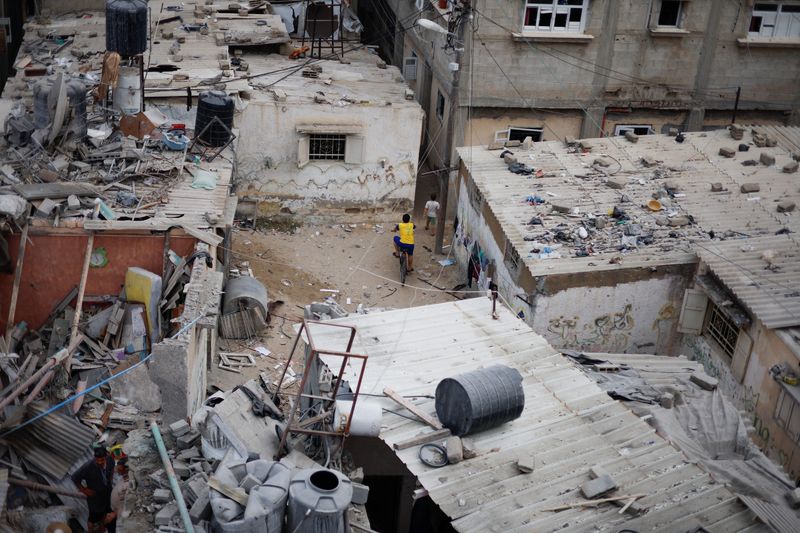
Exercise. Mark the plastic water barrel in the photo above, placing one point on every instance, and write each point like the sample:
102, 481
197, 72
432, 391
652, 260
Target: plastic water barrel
318, 501
480, 400
128, 94
244, 293
366, 420
212, 104
126, 27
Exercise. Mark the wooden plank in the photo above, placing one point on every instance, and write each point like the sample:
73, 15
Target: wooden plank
235, 494
12, 308
40, 191
419, 413
205, 236
632, 497
422, 438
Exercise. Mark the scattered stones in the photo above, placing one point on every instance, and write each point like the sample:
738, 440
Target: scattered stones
615, 184
602, 162
648, 161
767, 159
166, 514
716, 187
162, 495
560, 208
744, 147
750, 187
455, 450
727, 152
704, 381
632, 137
677, 221
597, 487
791, 168
786, 206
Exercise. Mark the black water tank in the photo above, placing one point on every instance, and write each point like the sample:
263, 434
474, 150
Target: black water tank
212, 104
126, 27
479, 400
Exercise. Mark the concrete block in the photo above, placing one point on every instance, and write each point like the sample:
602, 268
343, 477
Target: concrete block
166, 514
496, 146
357, 475
162, 495
513, 144
750, 187
793, 497
455, 450
526, 464
615, 184
704, 381
767, 159
201, 509
791, 168
470, 451
716, 187
248, 482
46, 207
786, 206
737, 132
727, 152
597, 471
188, 454
181, 469
598, 486
648, 161
561, 208
179, 428
667, 400
360, 494
188, 440
602, 162
632, 137
73, 202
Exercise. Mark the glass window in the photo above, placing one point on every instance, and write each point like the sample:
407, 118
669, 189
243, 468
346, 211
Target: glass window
779, 19
556, 15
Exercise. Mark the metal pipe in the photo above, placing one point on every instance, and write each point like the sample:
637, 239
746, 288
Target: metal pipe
45, 488
28, 382
188, 527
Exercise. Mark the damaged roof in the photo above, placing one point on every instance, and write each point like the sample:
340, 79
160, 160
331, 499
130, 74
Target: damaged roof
584, 181
762, 273
568, 425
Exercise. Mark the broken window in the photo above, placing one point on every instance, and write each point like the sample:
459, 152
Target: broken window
722, 329
556, 15
440, 105
670, 14
638, 129
511, 258
519, 134
775, 19
327, 147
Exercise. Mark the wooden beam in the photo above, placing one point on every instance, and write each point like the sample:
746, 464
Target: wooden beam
419, 413
590, 503
12, 308
422, 438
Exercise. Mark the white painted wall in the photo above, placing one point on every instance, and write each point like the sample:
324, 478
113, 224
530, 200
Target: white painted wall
635, 317
267, 153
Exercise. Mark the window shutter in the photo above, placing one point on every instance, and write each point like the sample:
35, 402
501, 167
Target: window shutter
693, 312
741, 355
354, 150
302, 151
410, 68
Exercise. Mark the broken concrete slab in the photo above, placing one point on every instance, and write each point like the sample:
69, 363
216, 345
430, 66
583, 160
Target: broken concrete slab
704, 381
648, 161
615, 184
793, 498
791, 167
201, 508
597, 470
181, 469
750, 187
526, 464
12, 206
767, 159
179, 428
360, 494
599, 486
631, 137
167, 513
727, 152
135, 388
162, 495
786, 206
678, 221
602, 162
188, 440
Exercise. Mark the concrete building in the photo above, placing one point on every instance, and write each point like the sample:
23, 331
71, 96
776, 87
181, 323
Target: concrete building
584, 68
597, 245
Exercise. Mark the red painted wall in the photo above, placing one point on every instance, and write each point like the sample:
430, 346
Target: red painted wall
52, 267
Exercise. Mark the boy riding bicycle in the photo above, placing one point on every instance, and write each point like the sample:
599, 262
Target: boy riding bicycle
405, 241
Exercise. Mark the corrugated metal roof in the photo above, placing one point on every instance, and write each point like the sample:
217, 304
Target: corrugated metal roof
568, 425
771, 294
52, 444
569, 179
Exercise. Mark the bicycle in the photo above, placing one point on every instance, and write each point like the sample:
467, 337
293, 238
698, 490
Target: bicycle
403, 266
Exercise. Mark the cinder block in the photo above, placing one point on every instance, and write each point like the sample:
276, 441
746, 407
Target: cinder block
786, 206
179, 428
455, 450
598, 486
596, 471
162, 495
767, 159
360, 494
704, 381
526, 464
189, 453
166, 514
248, 482
188, 440
201, 509
750, 187
791, 167
181, 469
727, 152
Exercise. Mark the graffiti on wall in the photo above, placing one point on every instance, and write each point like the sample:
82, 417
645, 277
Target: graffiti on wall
611, 331
663, 325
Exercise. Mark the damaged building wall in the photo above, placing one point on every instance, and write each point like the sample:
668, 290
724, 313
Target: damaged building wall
179, 366
378, 167
54, 259
757, 394
605, 313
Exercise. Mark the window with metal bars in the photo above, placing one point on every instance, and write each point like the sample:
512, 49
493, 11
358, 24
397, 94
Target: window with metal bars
722, 329
327, 146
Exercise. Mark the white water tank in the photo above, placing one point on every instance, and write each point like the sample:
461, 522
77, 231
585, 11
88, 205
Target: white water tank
128, 94
366, 420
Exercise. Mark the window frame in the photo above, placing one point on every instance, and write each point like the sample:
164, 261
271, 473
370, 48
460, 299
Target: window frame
787, 414
716, 320
554, 9
441, 104
511, 258
620, 129
337, 139
784, 24
537, 137
678, 19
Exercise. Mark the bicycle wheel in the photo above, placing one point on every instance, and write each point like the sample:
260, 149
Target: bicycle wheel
403, 268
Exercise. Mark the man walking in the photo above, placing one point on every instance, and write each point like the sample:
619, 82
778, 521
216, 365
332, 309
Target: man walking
96, 480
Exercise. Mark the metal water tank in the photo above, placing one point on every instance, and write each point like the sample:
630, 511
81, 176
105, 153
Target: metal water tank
318, 501
126, 27
212, 104
128, 93
479, 400
245, 292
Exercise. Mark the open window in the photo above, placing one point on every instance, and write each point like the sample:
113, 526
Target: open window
329, 144
440, 104
670, 14
638, 129
568, 16
511, 258
775, 19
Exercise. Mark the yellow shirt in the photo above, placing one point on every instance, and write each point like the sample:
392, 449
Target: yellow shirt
406, 232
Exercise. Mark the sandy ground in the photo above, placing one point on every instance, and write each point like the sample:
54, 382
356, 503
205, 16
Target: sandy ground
298, 267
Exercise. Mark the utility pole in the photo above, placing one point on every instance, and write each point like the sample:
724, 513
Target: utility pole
444, 174
736, 105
